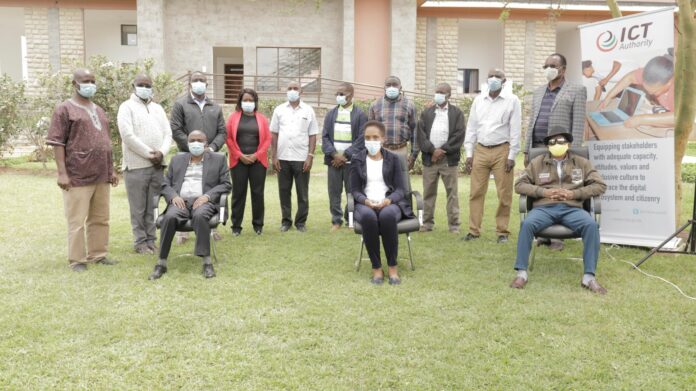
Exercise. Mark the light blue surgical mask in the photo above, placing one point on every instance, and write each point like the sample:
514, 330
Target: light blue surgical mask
373, 147
248, 107
341, 100
293, 95
391, 92
494, 84
87, 90
144, 93
439, 99
198, 87
196, 148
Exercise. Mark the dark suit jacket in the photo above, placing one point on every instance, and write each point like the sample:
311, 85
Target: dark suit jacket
357, 128
216, 179
567, 112
187, 116
457, 131
394, 177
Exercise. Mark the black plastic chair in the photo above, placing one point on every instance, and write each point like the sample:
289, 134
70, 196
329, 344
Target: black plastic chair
592, 205
217, 219
404, 226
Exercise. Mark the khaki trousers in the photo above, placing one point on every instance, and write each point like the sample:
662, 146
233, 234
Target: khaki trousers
449, 179
87, 213
403, 151
487, 160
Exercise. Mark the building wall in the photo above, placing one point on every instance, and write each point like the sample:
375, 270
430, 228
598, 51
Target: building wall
36, 31
527, 44
10, 46
103, 35
421, 53
447, 51
72, 37
480, 47
403, 41
248, 25
371, 41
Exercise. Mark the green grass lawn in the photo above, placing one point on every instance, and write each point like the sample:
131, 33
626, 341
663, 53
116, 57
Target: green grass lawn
287, 311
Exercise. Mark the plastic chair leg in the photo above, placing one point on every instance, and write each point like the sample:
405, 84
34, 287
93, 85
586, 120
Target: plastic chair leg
359, 260
410, 253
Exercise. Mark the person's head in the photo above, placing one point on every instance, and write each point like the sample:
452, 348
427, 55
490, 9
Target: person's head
374, 136
554, 67
293, 91
496, 79
142, 85
197, 142
84, 83
344, 94
392, 87
558, 141
587, 69
443, 91
247, 101
658, 75
199, 83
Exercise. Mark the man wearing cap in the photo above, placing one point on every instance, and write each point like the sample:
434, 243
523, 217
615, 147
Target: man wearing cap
559, 181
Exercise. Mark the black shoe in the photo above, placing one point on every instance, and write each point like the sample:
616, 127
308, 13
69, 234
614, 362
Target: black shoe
502, 239
208, 271
394, 281
469, 237
377, 280
107, 262
236, 231
284, 228
301, 228
158, 272
79, 267
258, 230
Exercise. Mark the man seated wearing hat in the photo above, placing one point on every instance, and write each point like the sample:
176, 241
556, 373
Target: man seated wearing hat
559, 181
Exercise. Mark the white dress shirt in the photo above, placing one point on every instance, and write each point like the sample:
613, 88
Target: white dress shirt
493, 122
193, 181
294, 125
439, 133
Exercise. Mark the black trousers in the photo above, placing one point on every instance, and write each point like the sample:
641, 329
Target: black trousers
245, 176
375, 224
175, 217
292, 171
337, 182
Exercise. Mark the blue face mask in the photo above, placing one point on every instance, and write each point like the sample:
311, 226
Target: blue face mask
196, 148
248, 107
87, 90
341, 100
494, 84
198, 87
439, 99
392, 92
373, 147
293, 95
144, 93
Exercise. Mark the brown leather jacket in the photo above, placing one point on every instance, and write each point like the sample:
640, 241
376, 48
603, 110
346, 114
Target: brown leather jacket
578, 176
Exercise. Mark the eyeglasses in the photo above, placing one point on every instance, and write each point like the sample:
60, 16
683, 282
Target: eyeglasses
559, 141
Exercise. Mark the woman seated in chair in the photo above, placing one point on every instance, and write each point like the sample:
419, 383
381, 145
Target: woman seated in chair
379, 191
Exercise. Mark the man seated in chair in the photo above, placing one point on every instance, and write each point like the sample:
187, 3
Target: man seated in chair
193, 186
559, 181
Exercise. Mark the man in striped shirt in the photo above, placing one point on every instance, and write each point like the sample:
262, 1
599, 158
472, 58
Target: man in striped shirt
342, 137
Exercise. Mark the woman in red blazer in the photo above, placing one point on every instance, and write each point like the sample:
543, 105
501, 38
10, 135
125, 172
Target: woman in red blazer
248, 138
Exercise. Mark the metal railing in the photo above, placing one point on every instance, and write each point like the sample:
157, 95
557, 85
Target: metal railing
317, 91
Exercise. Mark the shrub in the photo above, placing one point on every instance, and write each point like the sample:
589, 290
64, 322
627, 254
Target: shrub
11, 100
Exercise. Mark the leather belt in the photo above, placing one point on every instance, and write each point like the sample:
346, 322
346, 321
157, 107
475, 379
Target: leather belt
492, 146
395, 146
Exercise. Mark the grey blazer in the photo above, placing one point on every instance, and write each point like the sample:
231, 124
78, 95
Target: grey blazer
568, 112
216, 179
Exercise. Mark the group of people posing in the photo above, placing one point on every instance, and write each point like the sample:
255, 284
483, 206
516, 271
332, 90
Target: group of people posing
364, 153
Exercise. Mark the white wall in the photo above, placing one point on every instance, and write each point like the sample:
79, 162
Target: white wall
568, 44
480, 46
10, 49
103, 35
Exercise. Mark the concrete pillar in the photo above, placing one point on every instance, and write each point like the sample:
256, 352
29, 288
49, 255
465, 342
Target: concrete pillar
36, 32
72, 38
348, 62
403, 42
151, 32
431, 56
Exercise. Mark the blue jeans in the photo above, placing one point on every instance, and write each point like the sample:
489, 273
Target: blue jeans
572, 217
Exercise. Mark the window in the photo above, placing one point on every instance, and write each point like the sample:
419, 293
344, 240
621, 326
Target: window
278, 66
470, 81
129, 35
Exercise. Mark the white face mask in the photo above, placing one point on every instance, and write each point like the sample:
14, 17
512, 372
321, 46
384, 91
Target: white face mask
293, 95
439, 98
248, 107
144, 93
87, 90
373, 147
391, 92
551, 73
198, 87
341, 100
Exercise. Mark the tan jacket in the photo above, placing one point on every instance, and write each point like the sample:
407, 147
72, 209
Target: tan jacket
578, 175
